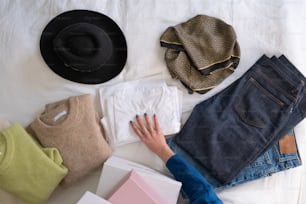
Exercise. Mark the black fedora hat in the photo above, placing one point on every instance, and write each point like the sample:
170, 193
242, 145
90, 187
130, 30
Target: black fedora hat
84, 46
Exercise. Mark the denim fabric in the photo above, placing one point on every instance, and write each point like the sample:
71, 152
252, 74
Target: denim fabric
272, 161
232, 129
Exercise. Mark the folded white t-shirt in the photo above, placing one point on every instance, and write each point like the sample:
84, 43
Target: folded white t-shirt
121, 103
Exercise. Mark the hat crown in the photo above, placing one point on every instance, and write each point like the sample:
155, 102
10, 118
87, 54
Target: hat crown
83, 47
81, 44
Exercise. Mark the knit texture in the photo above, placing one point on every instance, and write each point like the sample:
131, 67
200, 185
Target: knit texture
201, 52
3, 124
72, 126
27, 170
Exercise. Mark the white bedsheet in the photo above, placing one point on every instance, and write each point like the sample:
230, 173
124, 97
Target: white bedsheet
26, 83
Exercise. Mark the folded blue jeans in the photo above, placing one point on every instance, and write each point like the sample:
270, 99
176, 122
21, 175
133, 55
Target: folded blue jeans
233, 128
272, 161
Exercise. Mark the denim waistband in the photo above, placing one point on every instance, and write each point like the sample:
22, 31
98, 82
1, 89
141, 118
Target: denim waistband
286, 68
291, 67
269, 71
299, 75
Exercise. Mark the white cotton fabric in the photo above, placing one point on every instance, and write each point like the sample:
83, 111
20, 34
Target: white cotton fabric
272, 27
120, 103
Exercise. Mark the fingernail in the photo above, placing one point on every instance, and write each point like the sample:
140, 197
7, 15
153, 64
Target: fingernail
145, 114
136, 116
154, 115
131, 122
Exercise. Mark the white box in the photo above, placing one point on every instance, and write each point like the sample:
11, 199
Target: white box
90, 198
116, 169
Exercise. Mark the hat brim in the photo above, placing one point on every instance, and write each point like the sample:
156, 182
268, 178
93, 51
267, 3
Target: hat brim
109, 70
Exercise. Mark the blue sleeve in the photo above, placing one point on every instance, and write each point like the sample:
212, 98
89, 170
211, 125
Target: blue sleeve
194, 184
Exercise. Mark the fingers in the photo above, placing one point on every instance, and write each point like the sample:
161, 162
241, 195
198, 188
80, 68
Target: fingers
156, 123
149, 125
145, 130
142, 128
136, 130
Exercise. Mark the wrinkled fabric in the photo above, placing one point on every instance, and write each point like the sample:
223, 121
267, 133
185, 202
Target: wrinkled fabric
121, 103
27, 84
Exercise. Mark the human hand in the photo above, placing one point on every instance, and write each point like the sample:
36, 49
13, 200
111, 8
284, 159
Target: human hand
152, 136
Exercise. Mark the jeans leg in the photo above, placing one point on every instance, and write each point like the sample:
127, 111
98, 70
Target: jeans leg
233, 128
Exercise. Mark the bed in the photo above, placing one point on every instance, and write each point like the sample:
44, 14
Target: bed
262, 27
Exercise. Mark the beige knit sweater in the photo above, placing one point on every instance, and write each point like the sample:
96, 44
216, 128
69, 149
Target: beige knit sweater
72, 126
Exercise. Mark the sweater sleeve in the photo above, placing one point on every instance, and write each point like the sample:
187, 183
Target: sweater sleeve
193, 183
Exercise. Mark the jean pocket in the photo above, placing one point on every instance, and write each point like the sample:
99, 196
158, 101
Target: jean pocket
257, 106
